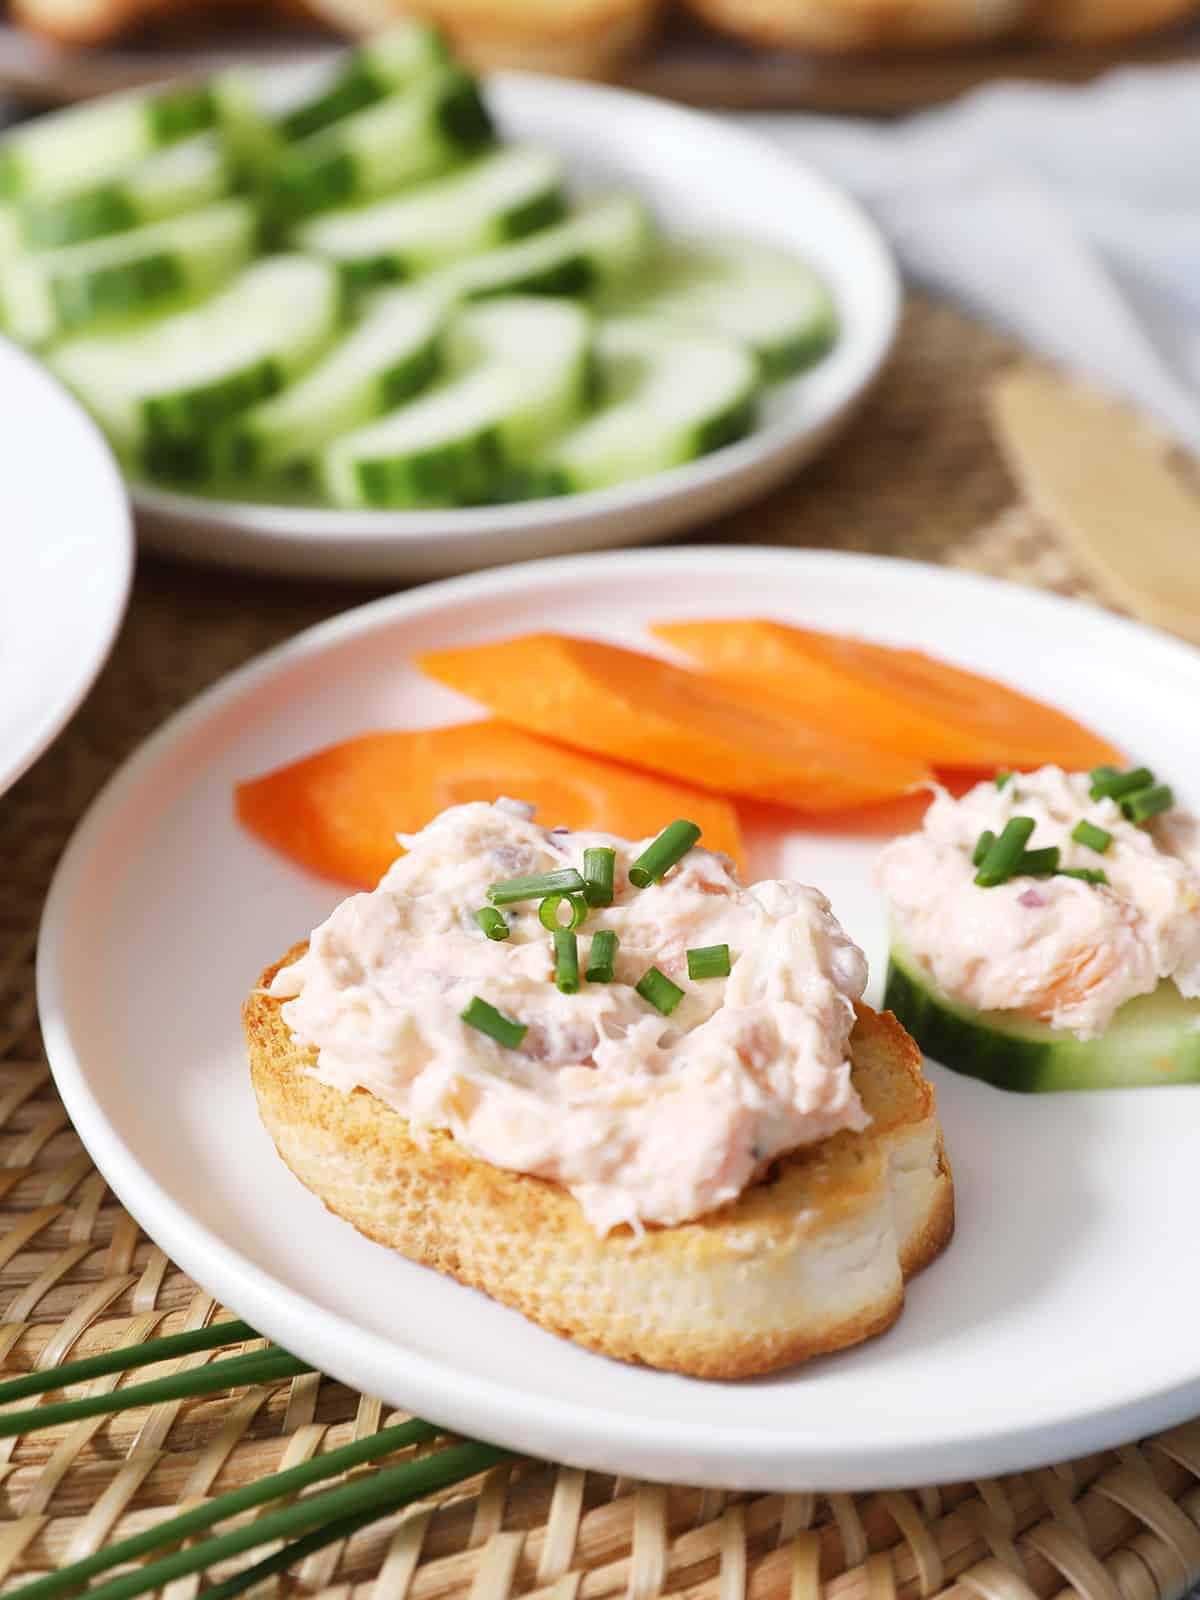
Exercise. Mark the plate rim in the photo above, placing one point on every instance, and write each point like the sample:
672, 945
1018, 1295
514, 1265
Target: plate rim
124, 552
462, 1399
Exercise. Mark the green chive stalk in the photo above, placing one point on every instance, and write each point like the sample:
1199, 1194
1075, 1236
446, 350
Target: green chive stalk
126, 1359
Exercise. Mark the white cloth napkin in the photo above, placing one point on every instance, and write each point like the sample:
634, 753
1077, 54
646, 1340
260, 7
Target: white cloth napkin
1070, 217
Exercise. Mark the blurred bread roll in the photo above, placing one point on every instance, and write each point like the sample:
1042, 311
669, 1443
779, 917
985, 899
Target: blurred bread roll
1107, 19
863, 24
583, 38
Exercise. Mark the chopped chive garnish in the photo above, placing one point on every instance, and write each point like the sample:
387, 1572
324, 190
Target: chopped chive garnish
601, 955
566, 961
479, 1014
1038, 863
492, 922
509, 890
1095, 838
709, 961
1002, 778
598, 867
672, 844
1109, 784
658, 989
548, 911
985, 842
1001, 860
1085, 874
1147, 803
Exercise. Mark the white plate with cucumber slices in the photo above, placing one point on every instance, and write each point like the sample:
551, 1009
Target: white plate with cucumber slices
1061, 1319
66, 542
350, 413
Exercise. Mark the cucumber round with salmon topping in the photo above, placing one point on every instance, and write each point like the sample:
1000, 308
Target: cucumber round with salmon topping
500, 197
157, 390
671, 394
768, 298
1152, 1041
518, 371
128, 275
403, 139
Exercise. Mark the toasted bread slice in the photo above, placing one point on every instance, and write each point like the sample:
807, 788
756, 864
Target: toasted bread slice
809, 1260
576, 38
861, 24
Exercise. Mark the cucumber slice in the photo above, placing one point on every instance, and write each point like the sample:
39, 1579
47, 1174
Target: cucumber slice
593, 249
672, 394
183, 177
72, 149
765, 297
155, 389
391, 355
400, 140
520, 370
258, 120
130, 274
499, 197
1153, 1040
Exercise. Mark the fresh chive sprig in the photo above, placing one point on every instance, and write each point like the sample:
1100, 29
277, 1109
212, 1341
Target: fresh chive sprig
709, 961
1147, 803
599, 871
126, 1359
601, 956
484, 1017
1087, 833
260, 1366
658, 990
548, 912
1110, 784
566, 961
1084, 874
1038, 863
536, 886
661, 854
492, 922
982, 845
1000, 862
235, 1502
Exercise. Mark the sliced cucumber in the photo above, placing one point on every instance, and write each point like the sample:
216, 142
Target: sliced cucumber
501, 196
671, 394
195, 172
1153, 1040
165, 385
390, 356
520, 370
74, 148
130, 274
766, 297
594, 249
258, 120
407, 137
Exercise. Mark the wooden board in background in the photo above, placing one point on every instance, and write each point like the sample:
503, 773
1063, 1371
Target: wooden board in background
688, 64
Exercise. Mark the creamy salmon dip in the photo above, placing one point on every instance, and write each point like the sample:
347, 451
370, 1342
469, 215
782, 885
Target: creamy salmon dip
642, 1117
1061, 950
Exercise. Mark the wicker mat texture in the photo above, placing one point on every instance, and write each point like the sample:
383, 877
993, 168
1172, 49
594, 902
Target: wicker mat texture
916, 477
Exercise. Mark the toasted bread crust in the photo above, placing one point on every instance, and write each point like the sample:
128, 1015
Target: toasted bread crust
847, 25
808, 1261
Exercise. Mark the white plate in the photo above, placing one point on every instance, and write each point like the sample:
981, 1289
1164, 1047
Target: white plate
66, 543
1063, 1317
699, 175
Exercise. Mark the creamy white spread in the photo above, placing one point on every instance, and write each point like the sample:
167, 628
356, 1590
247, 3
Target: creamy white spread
644, 1118
1057, 949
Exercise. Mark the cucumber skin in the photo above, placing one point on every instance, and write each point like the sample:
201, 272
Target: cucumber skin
117, 290
177, 114
987, 1050
49, 225
793, 356
179, 416
372, 272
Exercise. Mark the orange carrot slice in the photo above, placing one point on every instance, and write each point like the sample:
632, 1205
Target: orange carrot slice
902, 701
338, 811
644, 711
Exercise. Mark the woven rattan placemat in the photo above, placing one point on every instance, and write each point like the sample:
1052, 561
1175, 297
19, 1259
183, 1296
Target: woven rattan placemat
917, 477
